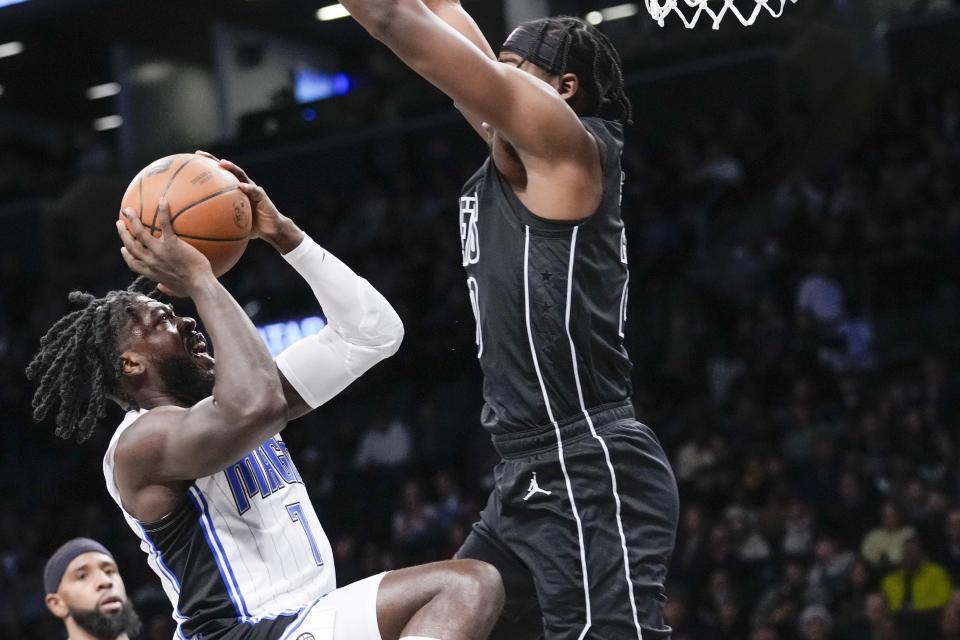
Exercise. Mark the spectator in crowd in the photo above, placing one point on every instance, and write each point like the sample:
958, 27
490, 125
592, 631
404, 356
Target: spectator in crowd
415, 524
386, 443
874, 622
781, 602
449, 503
950, 618
830, 573
816, 623
949, 551
85, 591
917, 591
820, 294
883, 546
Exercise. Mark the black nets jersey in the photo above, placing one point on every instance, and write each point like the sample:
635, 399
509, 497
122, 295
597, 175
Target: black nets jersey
549, 298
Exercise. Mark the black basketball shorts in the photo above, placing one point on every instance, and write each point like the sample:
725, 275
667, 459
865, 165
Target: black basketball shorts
581, 525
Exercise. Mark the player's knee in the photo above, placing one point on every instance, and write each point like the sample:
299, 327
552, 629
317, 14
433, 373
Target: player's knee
480, 582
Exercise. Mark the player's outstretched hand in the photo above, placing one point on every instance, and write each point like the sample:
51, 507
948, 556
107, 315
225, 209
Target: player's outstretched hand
266, 218
168, 260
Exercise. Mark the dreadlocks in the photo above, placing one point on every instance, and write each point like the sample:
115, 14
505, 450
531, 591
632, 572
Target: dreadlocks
565, 44
78, 362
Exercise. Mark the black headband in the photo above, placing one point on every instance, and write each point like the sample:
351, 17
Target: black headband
525, 41
57, 564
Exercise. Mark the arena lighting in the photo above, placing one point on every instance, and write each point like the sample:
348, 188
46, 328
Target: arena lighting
10, 49
151, 72
103, 90
311, 86
280, 335
332, 12
616, 12
107, 122
7, 3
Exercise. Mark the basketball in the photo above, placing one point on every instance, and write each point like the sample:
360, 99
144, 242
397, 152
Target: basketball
207, 208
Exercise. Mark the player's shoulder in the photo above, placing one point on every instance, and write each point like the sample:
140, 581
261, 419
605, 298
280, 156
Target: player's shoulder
607, 133
144, 434
612, 127
482, 175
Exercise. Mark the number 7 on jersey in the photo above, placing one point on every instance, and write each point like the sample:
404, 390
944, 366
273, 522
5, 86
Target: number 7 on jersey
297, 515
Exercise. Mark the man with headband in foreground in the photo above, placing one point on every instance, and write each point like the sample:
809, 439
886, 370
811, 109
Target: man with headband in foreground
582, 520
85, 590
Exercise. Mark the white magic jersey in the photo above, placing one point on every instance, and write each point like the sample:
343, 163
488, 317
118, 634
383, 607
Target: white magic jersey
247, 544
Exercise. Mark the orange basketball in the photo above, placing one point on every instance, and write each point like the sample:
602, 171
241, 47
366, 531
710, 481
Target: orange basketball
207, 208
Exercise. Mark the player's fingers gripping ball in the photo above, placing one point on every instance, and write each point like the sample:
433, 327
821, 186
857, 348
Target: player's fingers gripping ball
208, 208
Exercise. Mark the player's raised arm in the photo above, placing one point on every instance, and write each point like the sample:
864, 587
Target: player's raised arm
532, 115
453, 13
362, 327
176, 443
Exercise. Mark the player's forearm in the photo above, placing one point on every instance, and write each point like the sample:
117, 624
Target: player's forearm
287, 237
247, 383
453, 13
353, 307
362, 328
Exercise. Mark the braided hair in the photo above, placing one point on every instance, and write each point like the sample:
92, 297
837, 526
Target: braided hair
78, 364
584, 50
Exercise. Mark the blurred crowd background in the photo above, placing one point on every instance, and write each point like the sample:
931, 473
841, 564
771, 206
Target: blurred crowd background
794, 322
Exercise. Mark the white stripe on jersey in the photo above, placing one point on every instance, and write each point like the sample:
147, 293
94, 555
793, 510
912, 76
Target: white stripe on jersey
593, 431
264, 556
563, 464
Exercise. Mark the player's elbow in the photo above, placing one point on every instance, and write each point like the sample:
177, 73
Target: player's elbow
381, 330
376, 344
391, 334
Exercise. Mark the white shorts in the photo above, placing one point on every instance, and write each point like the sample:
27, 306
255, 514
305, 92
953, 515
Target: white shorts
348, 613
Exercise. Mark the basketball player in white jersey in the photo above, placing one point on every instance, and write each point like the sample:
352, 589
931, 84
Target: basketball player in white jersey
198, 466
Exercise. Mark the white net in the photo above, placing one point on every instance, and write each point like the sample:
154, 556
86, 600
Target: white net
659, 10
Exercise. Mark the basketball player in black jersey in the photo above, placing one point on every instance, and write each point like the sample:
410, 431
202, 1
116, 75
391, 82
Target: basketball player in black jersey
196, 429
582, 520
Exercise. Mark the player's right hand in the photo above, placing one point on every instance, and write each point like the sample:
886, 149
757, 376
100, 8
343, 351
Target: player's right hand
168, 260
267, 220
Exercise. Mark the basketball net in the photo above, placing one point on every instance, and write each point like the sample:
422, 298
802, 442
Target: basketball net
659, 10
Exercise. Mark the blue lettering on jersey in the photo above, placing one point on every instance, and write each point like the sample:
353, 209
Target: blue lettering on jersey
280, 458
263, 472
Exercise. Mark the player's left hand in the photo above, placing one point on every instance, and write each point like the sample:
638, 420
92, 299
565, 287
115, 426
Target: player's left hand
266, 218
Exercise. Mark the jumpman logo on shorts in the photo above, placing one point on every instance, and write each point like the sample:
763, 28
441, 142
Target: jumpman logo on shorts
535, 488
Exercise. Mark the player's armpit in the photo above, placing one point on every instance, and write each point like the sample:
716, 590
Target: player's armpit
525, 110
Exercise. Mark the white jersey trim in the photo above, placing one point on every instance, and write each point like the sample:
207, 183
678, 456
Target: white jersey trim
556, 428
223, 563
593, 431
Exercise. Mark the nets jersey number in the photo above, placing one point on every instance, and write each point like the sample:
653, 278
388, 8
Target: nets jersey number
469, 238
470, 246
